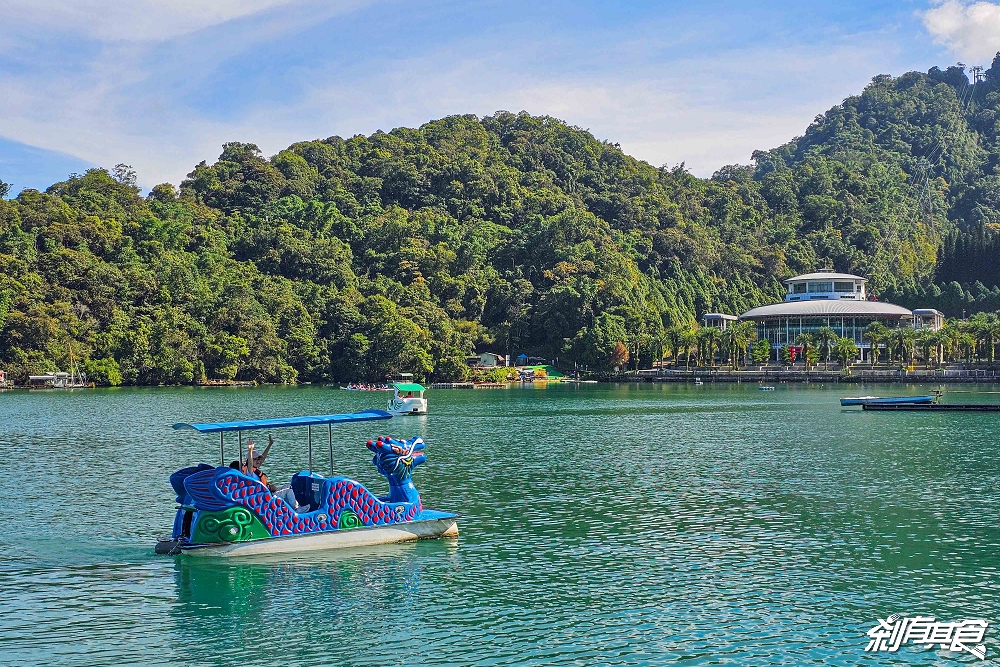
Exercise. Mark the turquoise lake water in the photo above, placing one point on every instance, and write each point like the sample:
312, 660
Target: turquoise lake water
601, 525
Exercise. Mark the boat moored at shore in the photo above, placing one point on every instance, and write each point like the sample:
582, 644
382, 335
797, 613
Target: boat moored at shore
891, 400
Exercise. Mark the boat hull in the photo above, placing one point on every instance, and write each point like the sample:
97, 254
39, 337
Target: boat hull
337, 539
894, 400
400, 407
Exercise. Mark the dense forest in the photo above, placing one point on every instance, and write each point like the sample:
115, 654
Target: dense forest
357, 258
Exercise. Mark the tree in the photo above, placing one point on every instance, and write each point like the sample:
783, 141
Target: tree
103, 372
785, 355
688, 339
928, 341
124, 174
826, 337
901, 340
845, 349
737, 338
510, 233
707, 338
675, 340
620, 356
967, 342
761, 351
875, 333
597, 346
807, 342
993, 335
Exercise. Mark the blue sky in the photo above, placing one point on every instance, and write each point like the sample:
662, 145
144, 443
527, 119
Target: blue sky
161, 84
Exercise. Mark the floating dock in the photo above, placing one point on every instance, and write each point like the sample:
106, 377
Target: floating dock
932, 407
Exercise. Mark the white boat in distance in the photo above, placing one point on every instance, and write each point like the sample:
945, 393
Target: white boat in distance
409, 404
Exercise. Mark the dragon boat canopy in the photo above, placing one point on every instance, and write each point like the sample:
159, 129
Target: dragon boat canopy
224, 511
284, 422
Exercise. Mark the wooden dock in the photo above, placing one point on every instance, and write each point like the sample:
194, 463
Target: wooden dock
933, 407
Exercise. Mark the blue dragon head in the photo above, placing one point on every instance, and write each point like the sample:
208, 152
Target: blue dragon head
395, 458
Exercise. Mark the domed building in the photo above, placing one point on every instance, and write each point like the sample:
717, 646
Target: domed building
836, 300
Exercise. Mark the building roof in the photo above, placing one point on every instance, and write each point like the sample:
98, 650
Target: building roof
825, 275
827, 307
927, 311
718, 316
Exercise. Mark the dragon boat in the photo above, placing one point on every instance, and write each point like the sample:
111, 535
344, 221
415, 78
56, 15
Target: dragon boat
223, 512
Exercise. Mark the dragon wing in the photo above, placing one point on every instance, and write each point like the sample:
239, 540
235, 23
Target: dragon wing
202, 489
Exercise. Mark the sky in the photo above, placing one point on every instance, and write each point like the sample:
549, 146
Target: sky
162, 84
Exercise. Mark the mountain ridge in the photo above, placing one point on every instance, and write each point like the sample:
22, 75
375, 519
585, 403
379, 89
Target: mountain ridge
406, 250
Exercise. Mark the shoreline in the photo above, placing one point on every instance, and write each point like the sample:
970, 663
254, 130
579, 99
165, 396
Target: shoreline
705, 376
797, 376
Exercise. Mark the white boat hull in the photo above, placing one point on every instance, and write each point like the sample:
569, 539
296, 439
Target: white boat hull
400, 407
338, 539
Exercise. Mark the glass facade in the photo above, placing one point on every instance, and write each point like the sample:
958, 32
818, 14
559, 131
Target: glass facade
781, 331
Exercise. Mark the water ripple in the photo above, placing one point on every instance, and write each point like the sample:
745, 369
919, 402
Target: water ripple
629, 525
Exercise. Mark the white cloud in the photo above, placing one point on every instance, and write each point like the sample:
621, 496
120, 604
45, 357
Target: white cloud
665, 113
132, 20
970, 31
159, 109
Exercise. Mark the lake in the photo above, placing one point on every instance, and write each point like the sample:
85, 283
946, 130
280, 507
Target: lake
601, 525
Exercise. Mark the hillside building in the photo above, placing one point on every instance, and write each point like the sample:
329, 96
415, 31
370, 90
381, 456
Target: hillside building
836, 300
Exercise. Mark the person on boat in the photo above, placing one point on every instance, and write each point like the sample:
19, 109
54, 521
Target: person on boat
409, 394
285, 493
255, 461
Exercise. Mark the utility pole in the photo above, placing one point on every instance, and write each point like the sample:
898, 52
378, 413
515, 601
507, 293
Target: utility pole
977, 74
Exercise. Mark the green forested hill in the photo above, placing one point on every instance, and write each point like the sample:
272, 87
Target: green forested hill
405, 251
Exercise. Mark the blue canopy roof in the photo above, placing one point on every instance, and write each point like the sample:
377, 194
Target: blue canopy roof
283, 422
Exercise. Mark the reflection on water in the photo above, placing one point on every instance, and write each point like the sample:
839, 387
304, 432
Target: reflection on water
600, 525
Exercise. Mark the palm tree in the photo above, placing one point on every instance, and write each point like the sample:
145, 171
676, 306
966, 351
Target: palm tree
927, 340
674, 341
875, 333
978, 325
905, 339
967, 342
993, 333
825, 338
985, 328
948, 336
729, 343
707, 336
845, 348
806, 341
688, 339
744, 334
945, 345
